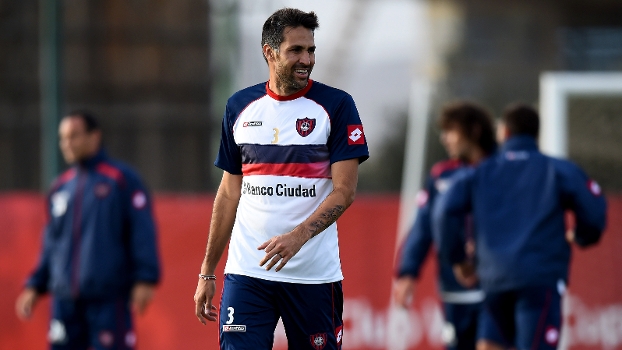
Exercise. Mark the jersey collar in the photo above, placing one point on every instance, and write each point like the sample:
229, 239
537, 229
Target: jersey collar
520, 143
93, 160
289, 97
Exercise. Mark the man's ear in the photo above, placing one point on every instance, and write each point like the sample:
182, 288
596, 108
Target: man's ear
268, 52
96, 139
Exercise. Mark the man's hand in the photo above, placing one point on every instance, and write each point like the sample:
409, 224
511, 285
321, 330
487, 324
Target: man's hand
404, 290
25, 304
465, 274
142, 293
280, 249
203, 301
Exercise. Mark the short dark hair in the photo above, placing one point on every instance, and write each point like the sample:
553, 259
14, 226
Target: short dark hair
473, 120
521, 119
273, 28
91, 122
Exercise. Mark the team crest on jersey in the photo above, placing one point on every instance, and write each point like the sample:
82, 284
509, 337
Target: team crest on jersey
305, 126
318, 341
102, 190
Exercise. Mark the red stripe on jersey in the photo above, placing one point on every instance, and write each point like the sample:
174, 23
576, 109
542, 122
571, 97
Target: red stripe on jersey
443, 166
320, 170
110, 171
62, 179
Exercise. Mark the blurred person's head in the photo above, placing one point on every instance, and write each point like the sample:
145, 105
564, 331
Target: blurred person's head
518, 119
80, 136
466, 131
289, 49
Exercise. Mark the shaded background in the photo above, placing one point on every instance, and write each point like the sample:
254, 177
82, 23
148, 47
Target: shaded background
158, 74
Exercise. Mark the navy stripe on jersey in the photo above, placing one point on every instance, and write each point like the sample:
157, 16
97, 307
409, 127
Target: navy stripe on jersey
256, 154
308, 161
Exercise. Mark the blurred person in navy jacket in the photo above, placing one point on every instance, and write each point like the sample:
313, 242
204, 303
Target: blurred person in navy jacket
518, 199
467, 133
99, 258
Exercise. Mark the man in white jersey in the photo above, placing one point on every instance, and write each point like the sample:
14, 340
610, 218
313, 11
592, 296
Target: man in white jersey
289, 151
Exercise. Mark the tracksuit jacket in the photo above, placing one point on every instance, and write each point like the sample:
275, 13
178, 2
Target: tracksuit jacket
100, 237
420, 238
518, 199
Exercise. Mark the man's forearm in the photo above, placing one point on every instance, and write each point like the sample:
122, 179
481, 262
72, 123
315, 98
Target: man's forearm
221, 225
223, 218
325, 215
345, 180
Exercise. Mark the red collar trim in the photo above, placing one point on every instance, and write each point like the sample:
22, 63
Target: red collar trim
289, 97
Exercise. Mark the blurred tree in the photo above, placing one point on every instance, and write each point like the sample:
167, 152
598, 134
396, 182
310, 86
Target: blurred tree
383, 171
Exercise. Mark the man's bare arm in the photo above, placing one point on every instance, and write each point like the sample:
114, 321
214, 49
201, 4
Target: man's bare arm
283, 247
221, 224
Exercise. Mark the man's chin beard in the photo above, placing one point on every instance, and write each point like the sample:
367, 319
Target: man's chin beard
291, 85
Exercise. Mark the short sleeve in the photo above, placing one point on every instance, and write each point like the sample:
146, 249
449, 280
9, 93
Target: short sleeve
347, 137
229, 158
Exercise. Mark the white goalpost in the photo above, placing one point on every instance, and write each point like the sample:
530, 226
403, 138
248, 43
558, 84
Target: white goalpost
555, 90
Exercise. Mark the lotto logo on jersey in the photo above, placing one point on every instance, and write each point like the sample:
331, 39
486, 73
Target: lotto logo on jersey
240, 328
251, 123
339, 334
356, 135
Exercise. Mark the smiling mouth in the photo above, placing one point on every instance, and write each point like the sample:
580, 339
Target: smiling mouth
302, 72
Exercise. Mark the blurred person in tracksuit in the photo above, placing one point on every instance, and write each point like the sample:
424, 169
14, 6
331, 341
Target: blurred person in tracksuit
99, 259
467, 133
518, 199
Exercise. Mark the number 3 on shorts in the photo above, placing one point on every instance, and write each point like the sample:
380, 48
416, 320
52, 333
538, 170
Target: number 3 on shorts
231, 311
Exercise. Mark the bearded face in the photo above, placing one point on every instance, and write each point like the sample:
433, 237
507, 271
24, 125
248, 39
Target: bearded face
294, 60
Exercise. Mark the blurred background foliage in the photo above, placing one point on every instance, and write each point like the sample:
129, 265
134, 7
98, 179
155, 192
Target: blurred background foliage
158, 73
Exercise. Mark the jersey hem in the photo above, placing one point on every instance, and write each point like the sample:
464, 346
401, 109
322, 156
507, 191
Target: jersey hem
287, 280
